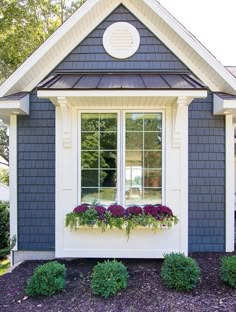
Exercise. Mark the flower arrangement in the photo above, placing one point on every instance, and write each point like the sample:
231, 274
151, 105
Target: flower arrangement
116, 216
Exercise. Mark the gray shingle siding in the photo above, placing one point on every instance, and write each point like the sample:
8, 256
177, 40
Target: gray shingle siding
36, 176
151, 56
206, 177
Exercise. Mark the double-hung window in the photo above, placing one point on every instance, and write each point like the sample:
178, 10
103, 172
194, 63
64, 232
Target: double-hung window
120, 157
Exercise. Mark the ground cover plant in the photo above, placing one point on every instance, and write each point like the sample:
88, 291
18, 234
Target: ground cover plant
180, 272
145, 290
47, 280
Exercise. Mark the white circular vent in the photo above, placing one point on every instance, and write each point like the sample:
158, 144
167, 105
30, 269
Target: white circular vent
121, 40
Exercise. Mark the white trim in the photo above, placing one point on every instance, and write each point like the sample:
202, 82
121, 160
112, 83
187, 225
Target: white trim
224, 106
13, 177
19, 256
86, 19
125, 46
14, 107
119, 93
229, 184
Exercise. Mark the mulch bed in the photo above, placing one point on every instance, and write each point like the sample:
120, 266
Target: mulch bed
145, 291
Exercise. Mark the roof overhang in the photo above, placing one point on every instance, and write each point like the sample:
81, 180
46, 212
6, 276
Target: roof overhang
12, 105
185, 46
121, 93
224, 104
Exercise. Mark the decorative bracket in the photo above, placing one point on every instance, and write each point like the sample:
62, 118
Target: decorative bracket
66, 111
178, 122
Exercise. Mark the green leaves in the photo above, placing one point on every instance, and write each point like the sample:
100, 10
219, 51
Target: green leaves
25, 25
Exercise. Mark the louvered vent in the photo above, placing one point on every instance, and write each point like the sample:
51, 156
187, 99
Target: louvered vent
121, 40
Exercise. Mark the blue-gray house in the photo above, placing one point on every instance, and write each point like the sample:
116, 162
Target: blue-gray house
129, 65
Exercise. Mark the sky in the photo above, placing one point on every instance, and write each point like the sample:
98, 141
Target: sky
212, 22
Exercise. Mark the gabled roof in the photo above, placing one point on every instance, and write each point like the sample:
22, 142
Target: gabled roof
185, 46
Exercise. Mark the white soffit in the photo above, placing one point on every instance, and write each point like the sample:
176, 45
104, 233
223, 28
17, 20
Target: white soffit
224, 106
85, 19
14, 107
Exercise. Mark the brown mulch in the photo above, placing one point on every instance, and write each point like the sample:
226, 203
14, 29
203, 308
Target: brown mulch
145, 291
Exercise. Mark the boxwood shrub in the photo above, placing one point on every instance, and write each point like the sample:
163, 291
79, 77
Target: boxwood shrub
47, 280
108, 278
180, 272
228, 270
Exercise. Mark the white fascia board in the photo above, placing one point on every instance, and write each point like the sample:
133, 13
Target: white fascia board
121, 93
193, 42
15, 107
223, 106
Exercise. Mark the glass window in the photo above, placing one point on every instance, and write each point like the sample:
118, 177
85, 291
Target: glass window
141, 156
99, 158
143, 153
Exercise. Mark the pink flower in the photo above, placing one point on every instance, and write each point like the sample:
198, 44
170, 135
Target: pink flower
81, 208
116, 211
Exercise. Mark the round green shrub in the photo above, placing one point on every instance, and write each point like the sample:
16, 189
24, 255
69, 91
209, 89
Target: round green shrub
47, 280
108, 278
4, 225
228, 270
180, 272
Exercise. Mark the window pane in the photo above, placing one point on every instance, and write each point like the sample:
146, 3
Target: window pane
152, 122
108, 122
152, 178
108, 140
107, 196
152, 196
134, 140
143, 162
89, 159
152, 140
108, 159
89, 140
90, 122
134, 122
152, 159
108, 178
88, 195
134, 158
89, 178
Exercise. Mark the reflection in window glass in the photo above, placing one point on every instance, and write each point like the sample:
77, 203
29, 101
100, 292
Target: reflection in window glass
99, 158
143, 160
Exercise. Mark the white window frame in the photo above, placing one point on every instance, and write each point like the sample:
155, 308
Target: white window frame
121, 149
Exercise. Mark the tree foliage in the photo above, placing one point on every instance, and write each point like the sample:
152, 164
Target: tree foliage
4, 143
25, 25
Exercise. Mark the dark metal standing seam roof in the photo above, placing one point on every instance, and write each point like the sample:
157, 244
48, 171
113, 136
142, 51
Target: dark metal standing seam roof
62, 81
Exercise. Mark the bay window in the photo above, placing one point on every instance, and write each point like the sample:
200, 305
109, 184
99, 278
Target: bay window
120, 157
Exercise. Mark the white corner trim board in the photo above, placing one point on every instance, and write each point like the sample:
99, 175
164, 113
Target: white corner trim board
229, 184
13, 176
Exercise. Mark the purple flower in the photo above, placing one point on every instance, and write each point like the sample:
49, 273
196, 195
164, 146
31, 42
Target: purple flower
116, 211
164, 210
134, 211
150, 210
81, 208
100, 210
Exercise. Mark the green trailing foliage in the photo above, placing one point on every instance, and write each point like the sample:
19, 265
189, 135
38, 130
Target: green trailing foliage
228, 270
180, 272
47, 280
116, 216
108, 278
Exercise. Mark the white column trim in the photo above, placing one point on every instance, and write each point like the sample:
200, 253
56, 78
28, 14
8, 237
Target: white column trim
229, 184
13, 177
66, 111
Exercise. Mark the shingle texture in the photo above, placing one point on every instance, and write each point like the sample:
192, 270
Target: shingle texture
36, 176
206, 177
151, 56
